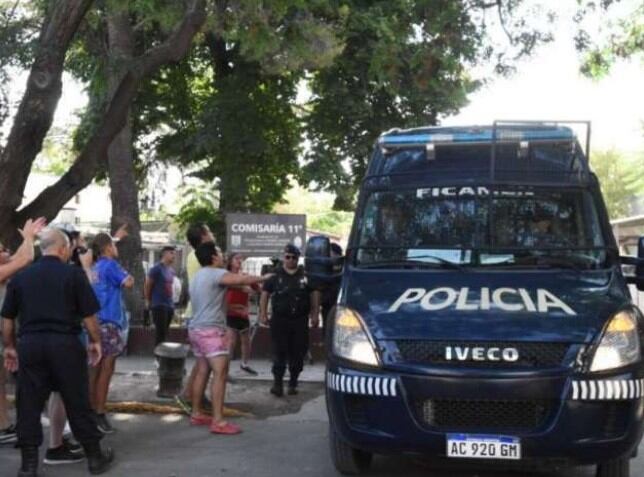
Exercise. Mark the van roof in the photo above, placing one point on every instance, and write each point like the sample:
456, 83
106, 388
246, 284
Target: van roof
505, 152
475, 134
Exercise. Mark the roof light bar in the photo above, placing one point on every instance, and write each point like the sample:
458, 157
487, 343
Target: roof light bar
502, 135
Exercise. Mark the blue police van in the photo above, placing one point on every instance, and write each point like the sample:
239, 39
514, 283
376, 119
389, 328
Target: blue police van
484, 313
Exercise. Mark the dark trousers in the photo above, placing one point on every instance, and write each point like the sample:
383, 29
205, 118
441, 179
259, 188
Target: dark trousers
162, 317
326, 311
53, 362
290, 341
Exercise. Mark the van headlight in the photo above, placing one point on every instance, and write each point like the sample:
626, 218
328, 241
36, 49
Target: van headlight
620, 345
350, 338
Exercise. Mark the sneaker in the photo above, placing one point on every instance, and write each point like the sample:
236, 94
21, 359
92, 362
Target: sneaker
103, 424
9, 435
248, 369
100, 460
72, 446
62, 455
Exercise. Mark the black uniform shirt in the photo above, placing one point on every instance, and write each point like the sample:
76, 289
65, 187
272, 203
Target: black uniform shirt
50, 297
290, 294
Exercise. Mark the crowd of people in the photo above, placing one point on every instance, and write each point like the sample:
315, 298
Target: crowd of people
64, 325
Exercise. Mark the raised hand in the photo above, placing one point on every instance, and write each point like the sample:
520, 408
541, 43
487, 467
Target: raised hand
32, 228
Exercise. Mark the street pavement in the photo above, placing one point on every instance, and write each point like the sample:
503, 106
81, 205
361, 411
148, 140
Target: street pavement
287, 437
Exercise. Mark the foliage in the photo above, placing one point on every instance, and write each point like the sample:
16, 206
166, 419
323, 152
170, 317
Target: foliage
621, 39
57, 153
201, 205
18, 31
318, 207
229, 113
404, 64
246, 137
620, 179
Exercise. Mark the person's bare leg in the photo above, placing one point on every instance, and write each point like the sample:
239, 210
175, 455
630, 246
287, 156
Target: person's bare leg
201, 370
244, 339
232, 342
219, 366
57, 420
103, 383
4, 405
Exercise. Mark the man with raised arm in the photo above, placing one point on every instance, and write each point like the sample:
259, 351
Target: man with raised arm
52, 299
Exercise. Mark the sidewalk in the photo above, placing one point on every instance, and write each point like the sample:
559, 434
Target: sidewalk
136, 380
146, 366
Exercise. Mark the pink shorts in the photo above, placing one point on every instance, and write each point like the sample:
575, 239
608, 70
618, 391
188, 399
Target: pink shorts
209, 342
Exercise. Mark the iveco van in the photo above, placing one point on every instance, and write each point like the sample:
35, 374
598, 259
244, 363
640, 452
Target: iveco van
484, 315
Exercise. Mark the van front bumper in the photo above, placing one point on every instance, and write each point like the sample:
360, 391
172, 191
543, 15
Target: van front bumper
563, 419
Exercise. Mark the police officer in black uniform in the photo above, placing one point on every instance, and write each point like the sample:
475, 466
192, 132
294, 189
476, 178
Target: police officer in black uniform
50, 300
293, 303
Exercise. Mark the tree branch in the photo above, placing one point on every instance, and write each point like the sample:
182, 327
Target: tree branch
36, 111
503, 24
94, 154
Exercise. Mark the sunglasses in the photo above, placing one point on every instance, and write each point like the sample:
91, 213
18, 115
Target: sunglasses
290, 257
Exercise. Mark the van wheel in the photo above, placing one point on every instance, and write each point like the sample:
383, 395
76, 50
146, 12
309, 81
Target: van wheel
614, 468
347, 460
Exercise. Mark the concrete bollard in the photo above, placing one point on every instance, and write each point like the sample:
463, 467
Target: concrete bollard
171, 360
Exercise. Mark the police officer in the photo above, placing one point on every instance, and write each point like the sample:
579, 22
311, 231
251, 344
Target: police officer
293, 303
50, 299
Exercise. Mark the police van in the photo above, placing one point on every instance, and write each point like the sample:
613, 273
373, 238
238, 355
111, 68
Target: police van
484, 313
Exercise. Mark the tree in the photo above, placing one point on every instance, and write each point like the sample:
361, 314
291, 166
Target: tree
404, 64
245, 140
39, 102
620, 179
623, 39
36, 110
400, 63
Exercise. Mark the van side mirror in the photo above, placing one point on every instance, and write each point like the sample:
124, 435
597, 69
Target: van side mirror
319, 266
637, 278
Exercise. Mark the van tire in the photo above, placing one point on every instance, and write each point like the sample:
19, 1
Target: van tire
347, 460
614, 468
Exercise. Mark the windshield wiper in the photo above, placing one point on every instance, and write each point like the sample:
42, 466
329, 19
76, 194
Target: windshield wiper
414, 262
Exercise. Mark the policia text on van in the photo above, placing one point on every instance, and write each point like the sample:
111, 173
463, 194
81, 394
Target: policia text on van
483, 314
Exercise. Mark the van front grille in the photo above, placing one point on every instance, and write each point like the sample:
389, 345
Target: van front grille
531, 354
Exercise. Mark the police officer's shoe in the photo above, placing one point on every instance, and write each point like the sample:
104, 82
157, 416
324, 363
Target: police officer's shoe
98, 460
29, 467
292, 390
277, 389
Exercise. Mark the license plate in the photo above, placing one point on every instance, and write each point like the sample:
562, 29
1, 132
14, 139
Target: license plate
483, 447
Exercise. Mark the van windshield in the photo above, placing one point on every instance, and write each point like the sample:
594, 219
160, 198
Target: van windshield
479, 226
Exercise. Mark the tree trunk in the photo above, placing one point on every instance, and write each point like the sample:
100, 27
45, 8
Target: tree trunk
94, 154
120, 166
233, 185
37, 107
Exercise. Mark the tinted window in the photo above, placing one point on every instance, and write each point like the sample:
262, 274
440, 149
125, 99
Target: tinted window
478, 226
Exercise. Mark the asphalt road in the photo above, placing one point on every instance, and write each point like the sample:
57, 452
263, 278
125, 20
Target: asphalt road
286, 445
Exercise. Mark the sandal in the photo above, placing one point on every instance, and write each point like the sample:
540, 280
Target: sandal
224, 428
200, 420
